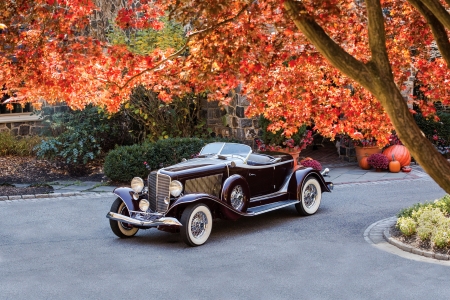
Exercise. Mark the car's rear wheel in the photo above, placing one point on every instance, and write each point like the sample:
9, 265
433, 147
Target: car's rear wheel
310, 196
197, 224
122, 230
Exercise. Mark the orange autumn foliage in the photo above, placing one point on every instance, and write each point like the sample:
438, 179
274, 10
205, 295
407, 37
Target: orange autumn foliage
332, 64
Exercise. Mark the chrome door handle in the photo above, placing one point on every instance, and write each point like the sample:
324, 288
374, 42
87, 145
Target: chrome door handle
251, 174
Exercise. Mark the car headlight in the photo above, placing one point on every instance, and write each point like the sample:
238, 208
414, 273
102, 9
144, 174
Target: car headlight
175, 188
144, 204
137, 184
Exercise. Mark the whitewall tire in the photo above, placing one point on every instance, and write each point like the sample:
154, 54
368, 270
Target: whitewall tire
122, 230
309, 197
197, 224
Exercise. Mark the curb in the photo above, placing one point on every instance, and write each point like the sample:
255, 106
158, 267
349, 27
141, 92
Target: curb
38, 196
407, 248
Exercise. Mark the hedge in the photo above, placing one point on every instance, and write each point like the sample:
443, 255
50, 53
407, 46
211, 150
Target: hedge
125, 162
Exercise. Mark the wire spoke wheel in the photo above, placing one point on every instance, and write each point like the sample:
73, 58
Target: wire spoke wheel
309, 197
197, 224
237, 197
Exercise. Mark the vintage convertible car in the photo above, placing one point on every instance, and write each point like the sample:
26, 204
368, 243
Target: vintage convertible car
226, 180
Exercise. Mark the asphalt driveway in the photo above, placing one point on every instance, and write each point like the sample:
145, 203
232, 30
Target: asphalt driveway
62, 248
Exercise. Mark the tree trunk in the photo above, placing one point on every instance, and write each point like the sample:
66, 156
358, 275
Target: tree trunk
376, 76
411, 136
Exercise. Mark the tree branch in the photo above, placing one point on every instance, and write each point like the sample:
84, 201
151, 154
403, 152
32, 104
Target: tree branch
439, 11
334, 53
377, 38
181, 50
438, 30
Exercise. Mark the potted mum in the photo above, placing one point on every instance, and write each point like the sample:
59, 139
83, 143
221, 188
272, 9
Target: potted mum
366, 147
378, 161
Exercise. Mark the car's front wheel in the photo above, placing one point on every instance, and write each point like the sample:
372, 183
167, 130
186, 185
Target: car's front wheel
309, 197
122, 230
197, 224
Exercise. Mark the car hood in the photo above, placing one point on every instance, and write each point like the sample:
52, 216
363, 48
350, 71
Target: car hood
196, 166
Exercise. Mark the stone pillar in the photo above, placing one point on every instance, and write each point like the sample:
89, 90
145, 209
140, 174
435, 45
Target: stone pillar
231, 121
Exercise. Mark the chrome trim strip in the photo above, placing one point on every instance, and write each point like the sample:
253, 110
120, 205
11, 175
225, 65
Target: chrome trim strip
274, 208
161, 221
145, 213
268, 196
267, 166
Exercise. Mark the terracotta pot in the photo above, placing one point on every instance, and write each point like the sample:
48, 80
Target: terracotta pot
295, 154
365, 151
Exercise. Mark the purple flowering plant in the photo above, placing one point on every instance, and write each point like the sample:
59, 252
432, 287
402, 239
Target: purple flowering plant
313, 164
378, 161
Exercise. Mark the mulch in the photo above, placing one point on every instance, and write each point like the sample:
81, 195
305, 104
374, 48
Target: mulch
39, 172
416, 242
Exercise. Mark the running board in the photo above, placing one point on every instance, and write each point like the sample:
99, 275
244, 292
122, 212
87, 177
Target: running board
254, 211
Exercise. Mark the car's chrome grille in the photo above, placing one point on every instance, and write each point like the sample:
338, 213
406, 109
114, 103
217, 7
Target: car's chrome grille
158, 190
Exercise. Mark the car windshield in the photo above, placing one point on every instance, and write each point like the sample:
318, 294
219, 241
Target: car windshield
226, 149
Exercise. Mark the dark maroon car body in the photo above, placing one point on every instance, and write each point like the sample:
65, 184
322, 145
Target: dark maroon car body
230, 185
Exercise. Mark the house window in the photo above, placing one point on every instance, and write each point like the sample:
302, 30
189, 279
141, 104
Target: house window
16, 109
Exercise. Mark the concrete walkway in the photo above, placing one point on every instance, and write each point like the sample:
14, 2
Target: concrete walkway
350, 174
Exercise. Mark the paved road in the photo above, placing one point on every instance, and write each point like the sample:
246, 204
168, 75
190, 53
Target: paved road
62, 248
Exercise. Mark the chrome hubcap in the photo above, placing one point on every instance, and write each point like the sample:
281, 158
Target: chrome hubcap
309, 195
199, 224
237, 197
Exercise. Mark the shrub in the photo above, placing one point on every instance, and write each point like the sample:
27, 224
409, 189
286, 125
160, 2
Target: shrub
151, 119
378, 161
80, 136
441, 237
428, 220
124, 163
11, 145
407, 226
438, 133
408, 212
277, 138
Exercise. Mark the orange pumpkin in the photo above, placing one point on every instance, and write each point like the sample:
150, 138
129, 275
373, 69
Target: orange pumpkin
364, 164
401, 154
394, 165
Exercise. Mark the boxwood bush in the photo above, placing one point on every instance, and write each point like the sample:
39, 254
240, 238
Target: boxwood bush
125, 162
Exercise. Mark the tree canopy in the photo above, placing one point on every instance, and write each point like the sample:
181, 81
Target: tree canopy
339, 65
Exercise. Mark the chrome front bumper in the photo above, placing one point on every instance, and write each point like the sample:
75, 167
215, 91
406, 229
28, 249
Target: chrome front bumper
153, 223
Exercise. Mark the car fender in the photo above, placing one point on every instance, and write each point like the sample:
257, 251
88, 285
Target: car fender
229, 184
126, 194
298, 178
209, 200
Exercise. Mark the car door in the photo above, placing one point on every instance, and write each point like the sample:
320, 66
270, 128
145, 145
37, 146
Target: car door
280, 174
260, 180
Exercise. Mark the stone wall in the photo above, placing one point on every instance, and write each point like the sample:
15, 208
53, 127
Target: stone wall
230, 121
22, 128
24, 125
